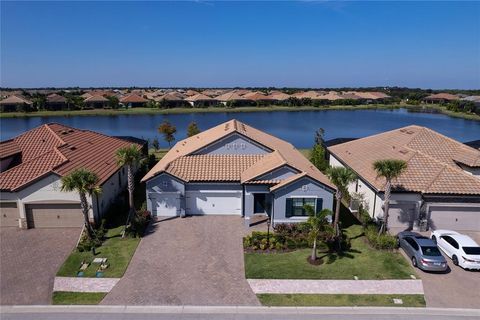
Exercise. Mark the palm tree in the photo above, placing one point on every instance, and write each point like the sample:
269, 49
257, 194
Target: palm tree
129, 156
84, 182
389, 169
317, 222
341, 177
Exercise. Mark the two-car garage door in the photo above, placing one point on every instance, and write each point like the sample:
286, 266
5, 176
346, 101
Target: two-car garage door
455, 218
215, 203
53, 215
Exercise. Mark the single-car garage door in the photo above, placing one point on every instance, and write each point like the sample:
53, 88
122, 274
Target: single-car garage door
54, 215
9, 214
165, 204
455, 218
228, 203
402, 215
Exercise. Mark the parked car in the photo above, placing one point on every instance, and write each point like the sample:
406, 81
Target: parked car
462, 249
422, 251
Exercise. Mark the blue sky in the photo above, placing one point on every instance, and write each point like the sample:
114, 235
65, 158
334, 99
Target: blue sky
295, 44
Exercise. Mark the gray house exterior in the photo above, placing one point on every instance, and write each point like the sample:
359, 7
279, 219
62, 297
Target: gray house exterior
234, 169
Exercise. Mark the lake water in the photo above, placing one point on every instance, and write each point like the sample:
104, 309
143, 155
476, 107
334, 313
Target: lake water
295, 127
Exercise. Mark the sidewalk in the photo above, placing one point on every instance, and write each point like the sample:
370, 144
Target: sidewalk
72, 284
336, 286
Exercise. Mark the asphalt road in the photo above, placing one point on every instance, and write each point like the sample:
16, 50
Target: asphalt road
233, 313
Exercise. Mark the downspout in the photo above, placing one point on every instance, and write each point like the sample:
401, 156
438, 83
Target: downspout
273, 210
98, 209
374, 204
243, 201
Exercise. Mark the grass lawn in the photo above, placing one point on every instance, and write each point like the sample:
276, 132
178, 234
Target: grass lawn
339, 300
118, 251
77, 297
143, 110
361, 261
158, 153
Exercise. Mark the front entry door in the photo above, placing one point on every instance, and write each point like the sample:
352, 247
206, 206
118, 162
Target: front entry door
261, 203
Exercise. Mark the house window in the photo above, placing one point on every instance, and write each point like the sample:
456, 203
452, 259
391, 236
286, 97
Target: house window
295, 207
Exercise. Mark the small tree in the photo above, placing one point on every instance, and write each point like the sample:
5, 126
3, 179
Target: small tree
155, 144
389, 169
113, 102
129, 156
341, 177
85, 183
192, 129
168, 130
318, 224
317, 154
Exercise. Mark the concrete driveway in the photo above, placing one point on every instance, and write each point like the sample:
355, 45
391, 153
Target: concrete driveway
29, 261
191, 261
456, 289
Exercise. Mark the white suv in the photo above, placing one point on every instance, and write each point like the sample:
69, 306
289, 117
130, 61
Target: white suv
462, 249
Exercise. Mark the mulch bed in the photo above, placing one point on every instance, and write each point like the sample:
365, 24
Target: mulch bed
317, 262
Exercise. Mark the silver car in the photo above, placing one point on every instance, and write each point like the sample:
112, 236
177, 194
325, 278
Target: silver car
422, 251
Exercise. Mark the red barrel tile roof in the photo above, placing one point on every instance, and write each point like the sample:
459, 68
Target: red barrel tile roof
56, 148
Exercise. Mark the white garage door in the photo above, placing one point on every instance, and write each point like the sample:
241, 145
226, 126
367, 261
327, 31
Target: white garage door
228, 203
458, 219
166, 204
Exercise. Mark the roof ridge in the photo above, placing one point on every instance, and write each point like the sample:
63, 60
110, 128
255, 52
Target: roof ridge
434, 179
47, 125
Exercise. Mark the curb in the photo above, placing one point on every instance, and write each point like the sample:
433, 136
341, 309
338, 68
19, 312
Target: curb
239, 310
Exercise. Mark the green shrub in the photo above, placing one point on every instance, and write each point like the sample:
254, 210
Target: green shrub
139, 223
380, 241
86, 244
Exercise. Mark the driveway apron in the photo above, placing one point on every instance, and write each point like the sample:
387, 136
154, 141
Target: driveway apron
191, 261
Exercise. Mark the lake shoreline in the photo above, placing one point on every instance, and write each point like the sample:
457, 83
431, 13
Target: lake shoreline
147, 111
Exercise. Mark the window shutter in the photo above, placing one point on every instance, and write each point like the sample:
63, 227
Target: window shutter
319, 204
288, 208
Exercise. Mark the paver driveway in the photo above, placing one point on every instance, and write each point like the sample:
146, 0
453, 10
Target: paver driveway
191, 261
29, 261
456, 289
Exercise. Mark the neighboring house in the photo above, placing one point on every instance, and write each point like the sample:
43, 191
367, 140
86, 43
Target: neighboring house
15, 103
172, 100
32, 166
200, 100
133, 100
96, 102
331, 96
258, 97
279, 96
235, 169
441, 184
234, 98
312, 95
55, 102
440, 98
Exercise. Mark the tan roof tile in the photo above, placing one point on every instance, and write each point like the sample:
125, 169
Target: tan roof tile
287, 151
442, 96
15, 99
431, 160
211, 167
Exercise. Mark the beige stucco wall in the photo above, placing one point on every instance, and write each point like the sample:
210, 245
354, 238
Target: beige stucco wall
48, 190
373, 201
